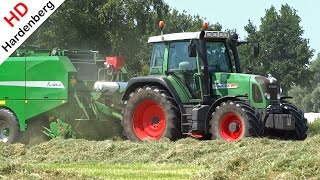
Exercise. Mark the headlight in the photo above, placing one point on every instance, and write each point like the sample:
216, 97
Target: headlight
267, 95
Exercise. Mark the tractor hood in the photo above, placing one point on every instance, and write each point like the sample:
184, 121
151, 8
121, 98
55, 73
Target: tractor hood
260, 90
224, 84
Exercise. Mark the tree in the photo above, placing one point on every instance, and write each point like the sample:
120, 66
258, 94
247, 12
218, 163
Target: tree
114, 27
284, 53
315, 70
308, 98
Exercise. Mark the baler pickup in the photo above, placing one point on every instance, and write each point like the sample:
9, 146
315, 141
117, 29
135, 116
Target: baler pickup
59, 129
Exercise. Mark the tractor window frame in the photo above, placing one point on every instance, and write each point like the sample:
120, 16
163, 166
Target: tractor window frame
157, 58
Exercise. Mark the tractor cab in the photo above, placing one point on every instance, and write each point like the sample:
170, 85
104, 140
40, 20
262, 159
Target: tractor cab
180, 55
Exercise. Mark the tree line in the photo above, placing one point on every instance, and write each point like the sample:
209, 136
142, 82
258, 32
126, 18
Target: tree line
114, 27
122, 27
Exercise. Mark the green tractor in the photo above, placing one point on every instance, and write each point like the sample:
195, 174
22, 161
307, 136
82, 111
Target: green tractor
196, 88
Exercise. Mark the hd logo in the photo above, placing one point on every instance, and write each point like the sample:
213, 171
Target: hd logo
19, 19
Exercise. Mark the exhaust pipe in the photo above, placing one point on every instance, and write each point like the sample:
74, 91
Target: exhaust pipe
112, 87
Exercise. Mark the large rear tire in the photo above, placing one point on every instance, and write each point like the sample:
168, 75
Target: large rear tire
234, 120
151, 114
9, 127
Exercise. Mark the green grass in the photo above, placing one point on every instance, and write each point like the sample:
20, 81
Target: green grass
250, 158
127, 171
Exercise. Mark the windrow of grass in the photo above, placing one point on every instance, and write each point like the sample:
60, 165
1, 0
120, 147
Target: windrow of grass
251, 158
98, 171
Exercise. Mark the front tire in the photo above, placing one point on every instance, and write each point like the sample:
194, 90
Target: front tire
151, 114
234, 120
301, 123
9, 127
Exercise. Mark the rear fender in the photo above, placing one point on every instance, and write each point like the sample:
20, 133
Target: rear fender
164, 83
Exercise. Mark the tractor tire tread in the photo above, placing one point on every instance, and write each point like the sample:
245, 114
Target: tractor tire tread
251, 116
172, 131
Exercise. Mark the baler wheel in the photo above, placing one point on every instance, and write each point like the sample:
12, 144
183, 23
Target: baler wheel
234, 120
151, 114
9, 127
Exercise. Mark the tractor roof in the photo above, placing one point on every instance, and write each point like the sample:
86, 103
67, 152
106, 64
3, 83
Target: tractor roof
188, 36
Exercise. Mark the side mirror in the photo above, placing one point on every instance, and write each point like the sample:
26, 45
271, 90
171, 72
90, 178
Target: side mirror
192, 50
256, 50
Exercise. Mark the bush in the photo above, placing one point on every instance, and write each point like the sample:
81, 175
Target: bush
314, 127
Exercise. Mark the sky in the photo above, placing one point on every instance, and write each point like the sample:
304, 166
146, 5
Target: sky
234, 14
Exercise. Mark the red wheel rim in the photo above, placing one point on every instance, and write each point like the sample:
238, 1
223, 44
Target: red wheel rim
228, 120
149, 120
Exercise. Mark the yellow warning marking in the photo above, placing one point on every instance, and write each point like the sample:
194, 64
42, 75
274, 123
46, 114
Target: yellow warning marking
2, 102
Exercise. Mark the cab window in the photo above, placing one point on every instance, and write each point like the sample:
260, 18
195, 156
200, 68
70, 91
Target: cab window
179, 57
157, 58
218, 58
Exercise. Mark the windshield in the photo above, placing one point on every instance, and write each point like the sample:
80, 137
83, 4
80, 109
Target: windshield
218, 58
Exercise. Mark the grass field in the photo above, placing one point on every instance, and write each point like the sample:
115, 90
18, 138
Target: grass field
251, 158
123, 171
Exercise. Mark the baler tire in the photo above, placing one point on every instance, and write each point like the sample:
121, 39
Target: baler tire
161, 121
244, 116
301, 123
8, 121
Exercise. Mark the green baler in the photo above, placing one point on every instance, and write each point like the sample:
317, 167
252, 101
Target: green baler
29, 86
45, 85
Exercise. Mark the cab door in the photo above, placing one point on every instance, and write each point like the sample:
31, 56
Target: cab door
184, 68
